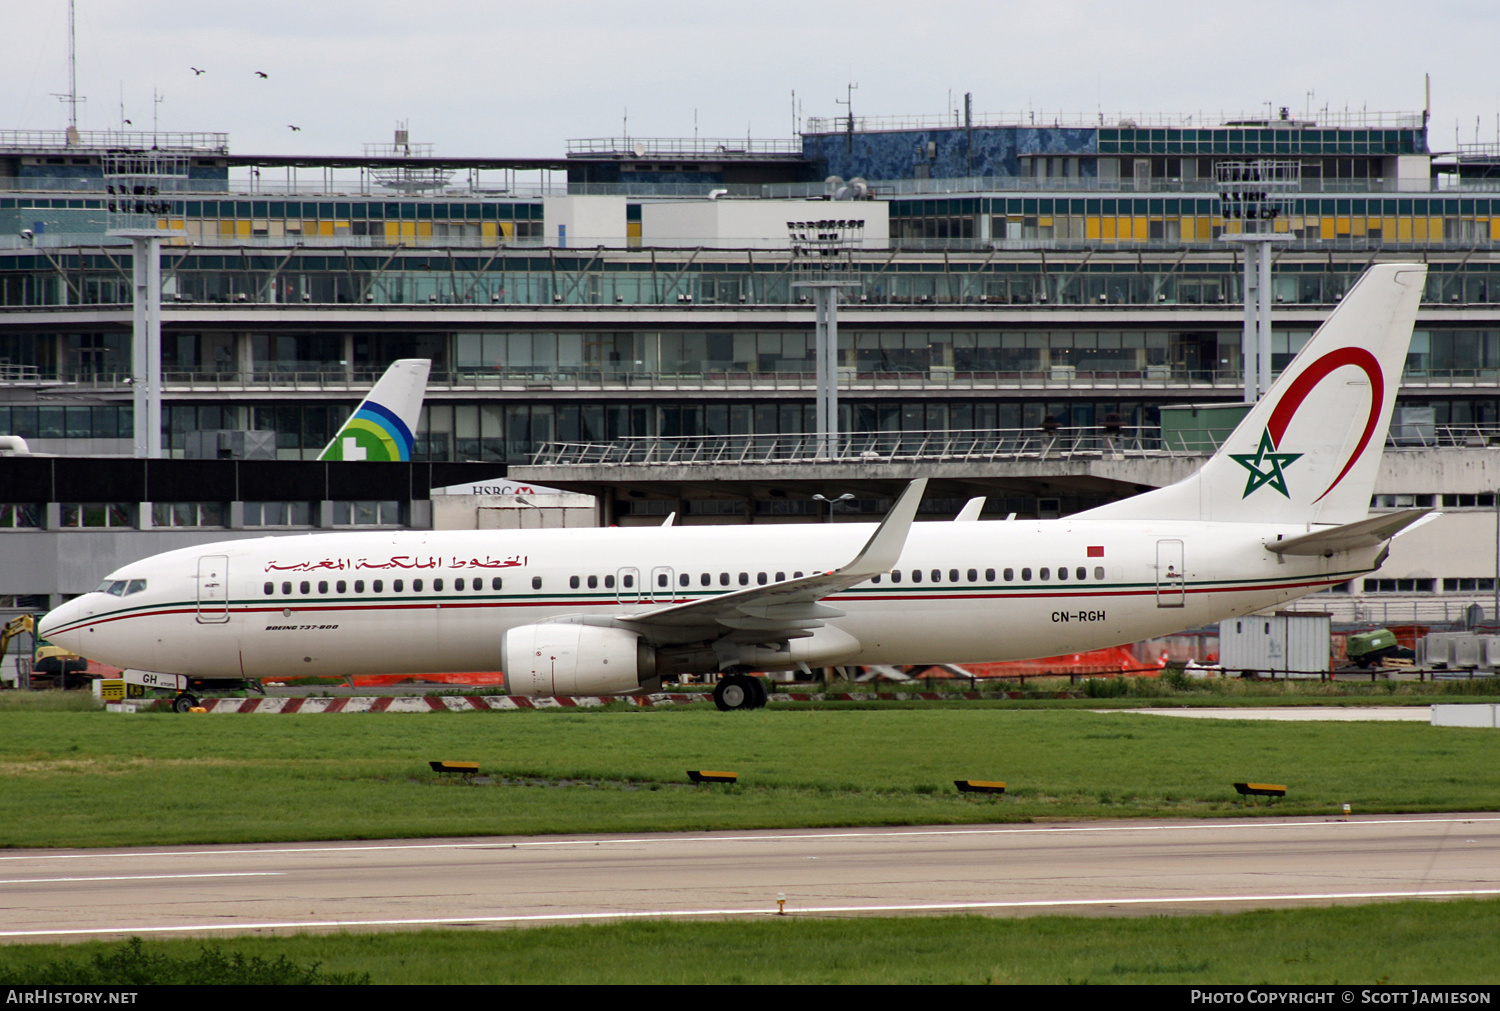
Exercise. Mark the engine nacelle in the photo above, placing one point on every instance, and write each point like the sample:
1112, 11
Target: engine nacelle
568, 659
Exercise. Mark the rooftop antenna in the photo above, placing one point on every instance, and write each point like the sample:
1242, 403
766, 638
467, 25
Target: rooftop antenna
71, 98
848, 100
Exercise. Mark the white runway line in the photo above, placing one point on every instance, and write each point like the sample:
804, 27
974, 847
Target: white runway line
461, 921
500, 842
1338, 714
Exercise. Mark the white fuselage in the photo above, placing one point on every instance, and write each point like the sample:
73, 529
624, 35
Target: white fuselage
341, 604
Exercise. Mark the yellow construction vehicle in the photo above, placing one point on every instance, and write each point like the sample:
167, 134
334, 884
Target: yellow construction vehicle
49, 666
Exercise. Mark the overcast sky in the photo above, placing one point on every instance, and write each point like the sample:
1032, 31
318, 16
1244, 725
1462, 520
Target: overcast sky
477, 78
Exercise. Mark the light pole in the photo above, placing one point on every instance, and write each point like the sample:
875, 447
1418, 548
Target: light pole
823, 260
846, 497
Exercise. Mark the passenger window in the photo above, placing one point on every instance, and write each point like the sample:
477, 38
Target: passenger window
989, 575
744, 579
723, 579
341, 586
953, 575
1098, 572
593, 582
874, 579
780, 577
306, 587
458, 584
1062, 573
609, 582
796, 575
437, 586
1082, 572
937, 575
270, 588
706, 579
625, 581
760, 578
1010, 575
416, 586
973, 575
322, 586
496, 583
359, 586
1026, 575
684, 580
1044, 574
379, 586
478, 585
397, 585
536, 582
661, 579
916, 575
573, 582
895, 575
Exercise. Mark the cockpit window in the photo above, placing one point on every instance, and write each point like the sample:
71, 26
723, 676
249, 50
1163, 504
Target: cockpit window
121, 587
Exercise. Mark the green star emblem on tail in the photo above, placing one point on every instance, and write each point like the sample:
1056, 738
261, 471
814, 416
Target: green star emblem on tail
1265, 466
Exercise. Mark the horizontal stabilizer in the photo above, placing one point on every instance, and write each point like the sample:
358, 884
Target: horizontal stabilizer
1362, 534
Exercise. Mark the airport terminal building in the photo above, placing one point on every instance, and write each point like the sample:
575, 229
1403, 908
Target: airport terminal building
598, 318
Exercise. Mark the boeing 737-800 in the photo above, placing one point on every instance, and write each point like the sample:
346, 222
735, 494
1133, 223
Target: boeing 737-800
1280, 511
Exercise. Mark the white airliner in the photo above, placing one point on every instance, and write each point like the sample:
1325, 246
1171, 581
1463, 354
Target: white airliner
1280, 511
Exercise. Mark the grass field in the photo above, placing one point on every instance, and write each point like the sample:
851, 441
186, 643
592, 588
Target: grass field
94, 778
1399, 943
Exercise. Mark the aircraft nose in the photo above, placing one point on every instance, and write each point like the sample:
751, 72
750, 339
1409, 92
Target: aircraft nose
54, 624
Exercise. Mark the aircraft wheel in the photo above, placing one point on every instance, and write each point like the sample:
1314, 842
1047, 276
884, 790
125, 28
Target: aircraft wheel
184, 703
735, 691
761, 695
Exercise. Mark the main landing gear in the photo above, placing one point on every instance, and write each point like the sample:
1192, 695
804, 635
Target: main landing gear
739, 691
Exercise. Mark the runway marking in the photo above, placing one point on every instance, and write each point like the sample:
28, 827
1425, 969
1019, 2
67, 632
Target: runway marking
657, 839
924, 907
144, 877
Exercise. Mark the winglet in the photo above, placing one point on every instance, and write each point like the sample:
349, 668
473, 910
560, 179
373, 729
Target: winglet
382, 426
883, 549
971, 510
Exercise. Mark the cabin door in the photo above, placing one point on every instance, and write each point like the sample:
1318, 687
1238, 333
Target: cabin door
661, 585
628, 585
1171, 576
213, 589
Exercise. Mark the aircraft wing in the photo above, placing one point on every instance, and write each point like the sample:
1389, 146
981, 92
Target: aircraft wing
1362, 534
789, 609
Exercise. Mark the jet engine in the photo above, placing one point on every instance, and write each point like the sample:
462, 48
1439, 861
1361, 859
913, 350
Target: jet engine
568, 659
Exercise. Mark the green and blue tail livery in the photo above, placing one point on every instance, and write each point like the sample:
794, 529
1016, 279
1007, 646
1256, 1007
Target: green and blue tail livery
382, 426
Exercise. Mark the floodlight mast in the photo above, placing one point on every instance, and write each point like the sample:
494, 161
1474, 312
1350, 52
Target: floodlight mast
1256, 195
823, 261
140, 203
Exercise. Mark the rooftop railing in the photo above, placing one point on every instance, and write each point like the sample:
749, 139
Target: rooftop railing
657, 148
335, 186
91, 141
1259, 119
987, 445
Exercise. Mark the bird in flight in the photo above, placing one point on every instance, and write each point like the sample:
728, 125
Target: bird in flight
196, 71
291, 127
261, 73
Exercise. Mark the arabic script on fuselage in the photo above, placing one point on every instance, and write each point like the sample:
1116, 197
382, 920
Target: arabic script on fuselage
397, 562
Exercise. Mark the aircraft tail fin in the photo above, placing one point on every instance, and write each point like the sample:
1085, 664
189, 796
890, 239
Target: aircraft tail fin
1309, 451
382, 426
